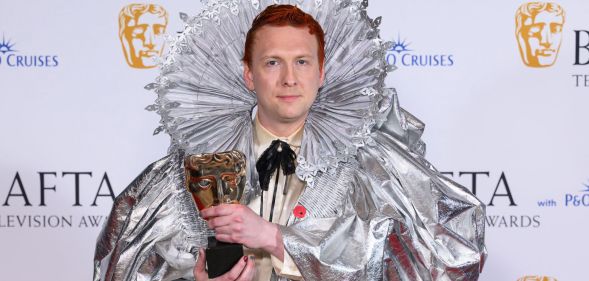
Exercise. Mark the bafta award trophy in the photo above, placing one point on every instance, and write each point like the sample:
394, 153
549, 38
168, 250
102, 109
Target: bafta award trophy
213, 179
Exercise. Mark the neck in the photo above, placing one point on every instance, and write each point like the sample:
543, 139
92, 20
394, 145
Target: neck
280, 129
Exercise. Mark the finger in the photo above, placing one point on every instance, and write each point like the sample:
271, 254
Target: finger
249, 271
228, 229
227, 238
219, 210
200, 273
234, 273
208, 212
219, 221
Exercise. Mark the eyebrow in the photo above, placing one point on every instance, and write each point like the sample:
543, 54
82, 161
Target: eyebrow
278, 57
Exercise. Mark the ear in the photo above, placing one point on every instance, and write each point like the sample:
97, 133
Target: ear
248, 77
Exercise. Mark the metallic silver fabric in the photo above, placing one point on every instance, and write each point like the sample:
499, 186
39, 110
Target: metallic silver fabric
376, 209
387, 216
384, 215
153, 231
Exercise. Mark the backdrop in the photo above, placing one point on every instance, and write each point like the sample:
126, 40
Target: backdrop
503, 90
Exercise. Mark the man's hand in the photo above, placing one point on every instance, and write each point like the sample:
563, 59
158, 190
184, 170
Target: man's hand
243, 270
236, 223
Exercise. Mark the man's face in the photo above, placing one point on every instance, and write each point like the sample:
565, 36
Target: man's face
144, 36
541, 37
285, 73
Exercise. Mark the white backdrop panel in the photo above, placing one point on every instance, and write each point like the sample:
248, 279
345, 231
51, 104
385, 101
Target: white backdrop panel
523, 129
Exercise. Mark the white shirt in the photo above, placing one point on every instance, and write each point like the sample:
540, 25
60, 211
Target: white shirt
283, 206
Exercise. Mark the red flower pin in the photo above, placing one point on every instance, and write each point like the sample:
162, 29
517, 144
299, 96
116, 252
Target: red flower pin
299, 211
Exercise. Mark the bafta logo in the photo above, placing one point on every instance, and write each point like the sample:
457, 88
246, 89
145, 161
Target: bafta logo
141, 31
538, 29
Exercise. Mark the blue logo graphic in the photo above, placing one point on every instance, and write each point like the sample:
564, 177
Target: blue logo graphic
9, 57
6, 46
578, 200
400, 46
400, 55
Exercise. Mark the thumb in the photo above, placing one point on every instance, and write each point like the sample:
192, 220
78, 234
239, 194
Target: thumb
200, 273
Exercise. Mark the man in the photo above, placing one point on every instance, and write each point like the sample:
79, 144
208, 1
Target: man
539, 32
283, 65
367, 215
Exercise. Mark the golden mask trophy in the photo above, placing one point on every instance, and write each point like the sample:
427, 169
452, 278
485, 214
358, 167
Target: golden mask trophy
213, 179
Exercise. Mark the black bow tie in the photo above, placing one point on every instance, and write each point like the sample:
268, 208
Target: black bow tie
279, 154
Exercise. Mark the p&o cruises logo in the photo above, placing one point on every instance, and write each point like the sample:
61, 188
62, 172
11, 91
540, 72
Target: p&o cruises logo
400, 54
579, 199
11, 57
141, 30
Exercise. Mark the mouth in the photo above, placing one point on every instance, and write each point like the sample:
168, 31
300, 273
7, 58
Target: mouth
149, 53
546, 52
288, 98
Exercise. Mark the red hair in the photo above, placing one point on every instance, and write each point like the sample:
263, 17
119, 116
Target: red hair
283, 15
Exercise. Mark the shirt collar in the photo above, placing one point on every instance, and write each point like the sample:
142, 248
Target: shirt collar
263, 138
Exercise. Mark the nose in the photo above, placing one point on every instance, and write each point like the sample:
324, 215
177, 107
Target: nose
149, 38
546, 37
289, 78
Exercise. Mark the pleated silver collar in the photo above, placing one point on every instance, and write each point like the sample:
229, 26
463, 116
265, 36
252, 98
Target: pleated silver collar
205, 106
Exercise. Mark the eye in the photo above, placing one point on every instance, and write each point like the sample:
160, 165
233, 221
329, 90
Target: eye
534, 30
158, 29
302, 62
228, 178
138, 31
272, 63
204, 183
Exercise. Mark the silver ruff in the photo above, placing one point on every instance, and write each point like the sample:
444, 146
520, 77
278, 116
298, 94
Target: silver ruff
376, 209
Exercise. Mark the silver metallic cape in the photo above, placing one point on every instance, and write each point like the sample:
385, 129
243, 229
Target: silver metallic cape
376, 209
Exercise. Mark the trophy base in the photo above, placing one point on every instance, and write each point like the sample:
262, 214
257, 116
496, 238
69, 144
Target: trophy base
221, 256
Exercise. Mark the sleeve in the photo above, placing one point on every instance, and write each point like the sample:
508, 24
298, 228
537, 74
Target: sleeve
146, 236
440, 232
438, 229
